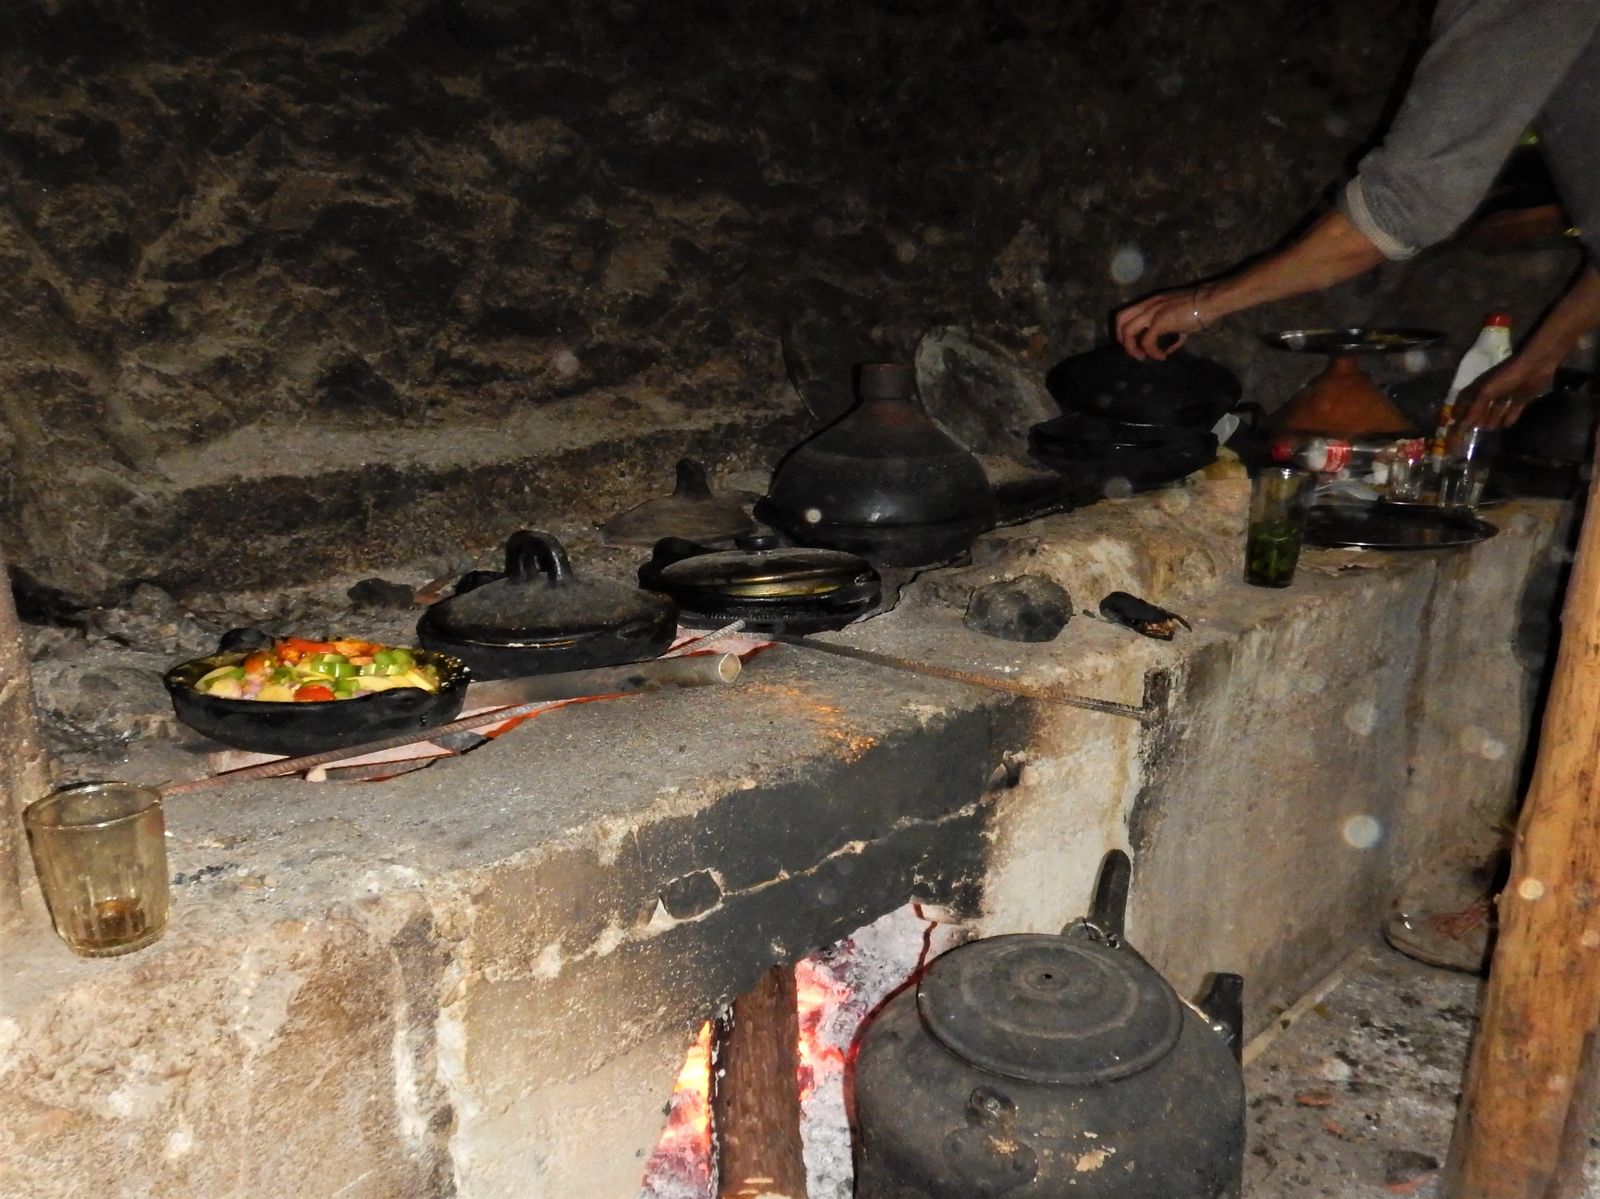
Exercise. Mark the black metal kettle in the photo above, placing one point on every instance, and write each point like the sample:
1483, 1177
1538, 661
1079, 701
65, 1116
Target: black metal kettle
1037, 1066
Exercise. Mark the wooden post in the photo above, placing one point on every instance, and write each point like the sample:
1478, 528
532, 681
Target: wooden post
1529, 1065
755, 1093
24, 771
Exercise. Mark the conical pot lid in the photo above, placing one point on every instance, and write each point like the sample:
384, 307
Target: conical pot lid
1064, 1010
693, 511
541, 599
883, 464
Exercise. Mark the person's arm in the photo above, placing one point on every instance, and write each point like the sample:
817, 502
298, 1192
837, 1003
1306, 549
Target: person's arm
1497, 398
1330, 252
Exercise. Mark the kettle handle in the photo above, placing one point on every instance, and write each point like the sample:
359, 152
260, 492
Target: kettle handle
1109, 910
1223, 1004
533, 556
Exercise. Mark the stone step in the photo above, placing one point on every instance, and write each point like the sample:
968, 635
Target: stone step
268, 506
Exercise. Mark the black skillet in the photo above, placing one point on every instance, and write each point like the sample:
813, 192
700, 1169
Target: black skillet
770, 587
308, 728
540, 617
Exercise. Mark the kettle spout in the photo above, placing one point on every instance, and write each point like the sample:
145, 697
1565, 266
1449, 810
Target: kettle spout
1223, 1005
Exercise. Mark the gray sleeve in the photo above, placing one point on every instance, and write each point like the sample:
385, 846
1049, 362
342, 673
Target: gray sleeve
1488, 71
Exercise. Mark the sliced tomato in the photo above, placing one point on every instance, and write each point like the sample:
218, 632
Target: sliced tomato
312, 692
292, 649
352, 648
259, 663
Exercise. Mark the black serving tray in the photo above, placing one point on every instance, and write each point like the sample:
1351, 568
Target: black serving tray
1393, 527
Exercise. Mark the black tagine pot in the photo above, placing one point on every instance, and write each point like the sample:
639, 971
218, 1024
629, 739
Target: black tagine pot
1182, 389
309, 728
884, 481
1045, 1067
772, 588
539, 617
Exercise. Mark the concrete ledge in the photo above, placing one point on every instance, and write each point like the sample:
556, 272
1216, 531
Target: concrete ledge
479, 979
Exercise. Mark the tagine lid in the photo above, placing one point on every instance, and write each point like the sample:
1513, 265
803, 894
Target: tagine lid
1064, 1010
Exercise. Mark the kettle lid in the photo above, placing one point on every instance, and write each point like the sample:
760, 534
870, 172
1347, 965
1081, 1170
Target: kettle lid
1066, 1010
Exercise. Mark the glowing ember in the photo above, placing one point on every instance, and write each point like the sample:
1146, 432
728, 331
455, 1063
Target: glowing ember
680, 1165
835, 990
817, 993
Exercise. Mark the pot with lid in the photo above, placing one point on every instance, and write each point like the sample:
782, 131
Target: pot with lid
1035, 1065
769, 586
884, 481
540, 617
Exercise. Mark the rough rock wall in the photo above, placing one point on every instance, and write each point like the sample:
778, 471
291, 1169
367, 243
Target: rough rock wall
246, 235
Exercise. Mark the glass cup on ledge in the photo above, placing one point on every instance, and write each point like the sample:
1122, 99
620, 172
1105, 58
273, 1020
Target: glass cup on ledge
1468, 457
1280, 497
100, 851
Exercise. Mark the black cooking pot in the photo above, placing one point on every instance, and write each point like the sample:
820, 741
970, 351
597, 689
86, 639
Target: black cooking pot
884, 481
539, 617
1082, 431
772, 588
1052, 1067
1124, 470
1184, 389
310, 728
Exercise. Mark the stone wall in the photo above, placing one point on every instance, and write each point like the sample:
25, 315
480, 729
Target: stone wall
301, 285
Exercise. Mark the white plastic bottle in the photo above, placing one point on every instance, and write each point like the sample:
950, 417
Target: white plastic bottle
1492, 347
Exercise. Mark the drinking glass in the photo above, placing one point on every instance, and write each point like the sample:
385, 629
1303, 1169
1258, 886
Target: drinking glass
1280, 496
1407, 463
1469, 455
100, 850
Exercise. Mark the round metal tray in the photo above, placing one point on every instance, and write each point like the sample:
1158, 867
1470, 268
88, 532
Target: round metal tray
1352, 341
1393, 527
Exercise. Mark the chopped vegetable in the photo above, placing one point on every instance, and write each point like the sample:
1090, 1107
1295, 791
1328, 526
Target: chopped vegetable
296, 670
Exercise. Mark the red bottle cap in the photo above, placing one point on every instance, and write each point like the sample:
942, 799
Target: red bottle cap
1497, 320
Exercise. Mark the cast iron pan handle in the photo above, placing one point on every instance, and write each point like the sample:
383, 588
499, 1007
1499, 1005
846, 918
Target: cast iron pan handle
532, 557
235, 640
665, 552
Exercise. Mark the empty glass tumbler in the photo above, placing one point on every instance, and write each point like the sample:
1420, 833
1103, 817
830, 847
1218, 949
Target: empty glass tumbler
1280, 497
100, 850
1469, 456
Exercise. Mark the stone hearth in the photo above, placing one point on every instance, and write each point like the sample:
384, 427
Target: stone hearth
480, 979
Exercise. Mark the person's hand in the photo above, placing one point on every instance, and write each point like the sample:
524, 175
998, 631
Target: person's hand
1158, 325
1497, 397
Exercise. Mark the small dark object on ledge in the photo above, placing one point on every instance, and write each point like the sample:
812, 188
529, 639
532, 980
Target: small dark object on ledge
1026, 608
1141, 616
378, 594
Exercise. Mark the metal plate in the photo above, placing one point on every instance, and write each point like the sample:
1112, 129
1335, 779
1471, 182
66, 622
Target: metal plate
1061, 1010
1352, 341
1393, 527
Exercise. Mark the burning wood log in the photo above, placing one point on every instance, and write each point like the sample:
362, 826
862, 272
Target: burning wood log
755, 1100
1520, 1129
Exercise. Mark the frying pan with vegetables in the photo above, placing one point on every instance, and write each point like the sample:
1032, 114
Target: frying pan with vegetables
318, 701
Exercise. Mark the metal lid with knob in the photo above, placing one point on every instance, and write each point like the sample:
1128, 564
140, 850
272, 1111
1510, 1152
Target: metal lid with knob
1047, 1009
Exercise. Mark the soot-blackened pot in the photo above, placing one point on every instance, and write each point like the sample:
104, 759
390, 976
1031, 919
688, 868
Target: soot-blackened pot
1037, 1066
884, 481
539, 617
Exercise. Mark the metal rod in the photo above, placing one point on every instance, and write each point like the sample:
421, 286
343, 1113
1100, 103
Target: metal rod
706, 670
1050, 695
711, 638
